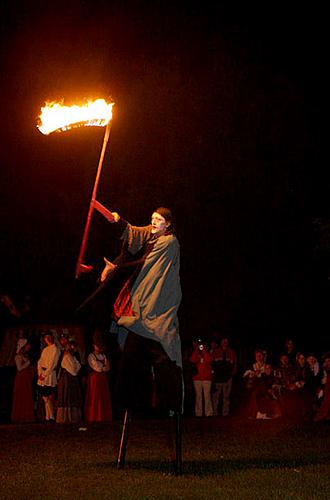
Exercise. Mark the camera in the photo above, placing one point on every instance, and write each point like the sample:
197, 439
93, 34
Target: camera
201, 345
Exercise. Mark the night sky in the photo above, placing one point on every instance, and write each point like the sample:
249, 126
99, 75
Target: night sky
218, 115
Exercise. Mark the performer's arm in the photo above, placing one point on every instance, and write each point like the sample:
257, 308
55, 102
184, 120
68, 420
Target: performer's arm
111, 267
133, 240
134, 237
121, 262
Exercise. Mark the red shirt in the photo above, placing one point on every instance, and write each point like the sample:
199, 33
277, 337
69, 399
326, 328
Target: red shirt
203, 362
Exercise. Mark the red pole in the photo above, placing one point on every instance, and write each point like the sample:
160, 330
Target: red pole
80, 266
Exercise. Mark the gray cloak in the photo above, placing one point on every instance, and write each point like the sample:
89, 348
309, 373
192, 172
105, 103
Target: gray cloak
156, 291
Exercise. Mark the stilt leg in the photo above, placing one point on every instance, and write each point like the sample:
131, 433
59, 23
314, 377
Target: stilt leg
123, 440
178, 444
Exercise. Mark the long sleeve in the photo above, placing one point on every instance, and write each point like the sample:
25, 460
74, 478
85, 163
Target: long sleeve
21, 362
98, 363
135, 237
195, 358
47, 365
52, 355
71, 364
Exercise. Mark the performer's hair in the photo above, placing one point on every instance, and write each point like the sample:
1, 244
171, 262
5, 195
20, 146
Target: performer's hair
166, 213
168, 216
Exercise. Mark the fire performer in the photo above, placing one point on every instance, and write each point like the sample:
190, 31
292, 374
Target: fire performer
146, 307
146, 311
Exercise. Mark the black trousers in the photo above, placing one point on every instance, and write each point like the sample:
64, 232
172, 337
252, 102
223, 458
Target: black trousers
134, 375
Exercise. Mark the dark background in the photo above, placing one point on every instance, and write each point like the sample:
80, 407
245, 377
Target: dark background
218, 114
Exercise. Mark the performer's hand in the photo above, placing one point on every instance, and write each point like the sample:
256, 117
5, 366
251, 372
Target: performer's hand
116, 216
109, 267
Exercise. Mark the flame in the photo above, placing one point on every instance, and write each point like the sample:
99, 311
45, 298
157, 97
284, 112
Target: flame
57, 117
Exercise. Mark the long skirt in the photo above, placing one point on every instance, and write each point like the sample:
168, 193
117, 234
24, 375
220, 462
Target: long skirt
98, 402
69, 399
23, 403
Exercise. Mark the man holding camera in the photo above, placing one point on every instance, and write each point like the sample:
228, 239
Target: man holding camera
202, 379
224, 368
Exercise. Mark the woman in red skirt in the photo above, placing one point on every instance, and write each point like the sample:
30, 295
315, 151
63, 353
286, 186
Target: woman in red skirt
98, 402
23, 403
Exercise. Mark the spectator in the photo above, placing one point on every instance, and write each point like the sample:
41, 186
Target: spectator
63, 342
299, 397
312, 364
313, 380
284, 373
258, 367
266, 397
300, 370
68, 389
202, 379
290, 350
47, 379
285, 377
98, 403
253, 382
23, 403
224, 366
323, 412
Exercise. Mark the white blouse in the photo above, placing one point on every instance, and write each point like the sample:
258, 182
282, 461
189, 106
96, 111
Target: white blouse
71, 364
98, 362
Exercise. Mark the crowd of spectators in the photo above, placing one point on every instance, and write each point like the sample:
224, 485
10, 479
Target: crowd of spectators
290, 384
55, 386
55, 382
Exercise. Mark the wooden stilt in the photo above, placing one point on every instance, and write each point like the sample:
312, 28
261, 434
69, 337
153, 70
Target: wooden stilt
178, 444
123, 440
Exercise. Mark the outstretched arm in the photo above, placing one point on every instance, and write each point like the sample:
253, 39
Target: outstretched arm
110, 267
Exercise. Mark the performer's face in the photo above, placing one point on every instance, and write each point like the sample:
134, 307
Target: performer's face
159, 224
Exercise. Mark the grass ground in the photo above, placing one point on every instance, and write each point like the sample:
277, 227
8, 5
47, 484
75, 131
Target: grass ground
230, 458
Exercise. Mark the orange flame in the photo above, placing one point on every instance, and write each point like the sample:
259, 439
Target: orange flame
57, 117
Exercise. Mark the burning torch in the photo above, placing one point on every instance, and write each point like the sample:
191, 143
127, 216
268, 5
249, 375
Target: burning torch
55, 117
